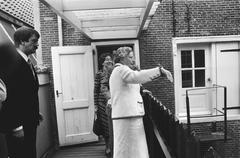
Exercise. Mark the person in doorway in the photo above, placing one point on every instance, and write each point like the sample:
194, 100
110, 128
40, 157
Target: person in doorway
127, 104
101, 97
19, 116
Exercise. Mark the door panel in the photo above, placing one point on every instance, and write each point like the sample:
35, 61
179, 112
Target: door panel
227, 64
194, 74
73, 80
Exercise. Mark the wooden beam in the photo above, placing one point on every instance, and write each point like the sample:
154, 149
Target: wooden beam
144, 16
70, 17
95, 29
54, 4
76, 5
111, 22
114, 34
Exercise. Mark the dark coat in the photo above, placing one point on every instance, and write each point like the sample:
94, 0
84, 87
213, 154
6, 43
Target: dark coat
22, 105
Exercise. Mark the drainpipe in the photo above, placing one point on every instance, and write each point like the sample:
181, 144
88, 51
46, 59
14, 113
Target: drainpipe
60, 32
173, 18
36, 21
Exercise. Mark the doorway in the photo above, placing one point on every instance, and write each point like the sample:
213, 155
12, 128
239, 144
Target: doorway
103, 50
108, 47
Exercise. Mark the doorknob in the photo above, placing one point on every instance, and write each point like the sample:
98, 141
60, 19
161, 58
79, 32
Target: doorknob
209, 79
57, 93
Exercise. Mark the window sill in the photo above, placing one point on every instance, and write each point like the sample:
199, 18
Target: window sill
210, 119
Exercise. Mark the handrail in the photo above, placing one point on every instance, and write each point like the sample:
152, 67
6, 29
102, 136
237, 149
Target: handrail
165, 135
224, 113
161, 142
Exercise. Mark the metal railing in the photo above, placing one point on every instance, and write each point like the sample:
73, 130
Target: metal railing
224, 113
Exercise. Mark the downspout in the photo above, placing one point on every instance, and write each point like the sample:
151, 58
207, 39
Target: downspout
36, 20
173, 19
60, 32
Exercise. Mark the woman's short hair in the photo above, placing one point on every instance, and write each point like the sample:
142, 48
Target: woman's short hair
121, 53
23, 34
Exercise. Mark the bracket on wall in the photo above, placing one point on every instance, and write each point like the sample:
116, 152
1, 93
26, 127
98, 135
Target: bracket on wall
230, 50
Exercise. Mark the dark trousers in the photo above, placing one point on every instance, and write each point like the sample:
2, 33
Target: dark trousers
110, 128
3, 146
24, 147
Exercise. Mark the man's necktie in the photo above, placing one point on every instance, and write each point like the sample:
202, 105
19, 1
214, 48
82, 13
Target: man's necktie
31, 67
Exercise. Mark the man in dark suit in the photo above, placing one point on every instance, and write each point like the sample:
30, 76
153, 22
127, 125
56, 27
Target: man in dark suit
3, 94
19, 116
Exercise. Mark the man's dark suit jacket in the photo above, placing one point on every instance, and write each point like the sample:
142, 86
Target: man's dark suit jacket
22, 105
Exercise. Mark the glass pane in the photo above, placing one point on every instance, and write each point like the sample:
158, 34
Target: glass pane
199, 78
199, 58
186, 58
186, 78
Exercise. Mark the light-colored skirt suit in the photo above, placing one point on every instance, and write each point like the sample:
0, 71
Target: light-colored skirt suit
128, 111
129, 138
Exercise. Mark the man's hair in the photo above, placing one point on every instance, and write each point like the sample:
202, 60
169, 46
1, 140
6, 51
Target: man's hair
23, 34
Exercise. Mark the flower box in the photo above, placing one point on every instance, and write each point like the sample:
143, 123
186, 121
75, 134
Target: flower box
43, 78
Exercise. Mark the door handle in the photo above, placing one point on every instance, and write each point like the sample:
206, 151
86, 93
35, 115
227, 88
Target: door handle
57, 93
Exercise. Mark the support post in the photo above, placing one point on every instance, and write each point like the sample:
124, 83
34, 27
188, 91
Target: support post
188, 113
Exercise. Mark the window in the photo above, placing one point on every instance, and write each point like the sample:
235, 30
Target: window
193, 68
199, 65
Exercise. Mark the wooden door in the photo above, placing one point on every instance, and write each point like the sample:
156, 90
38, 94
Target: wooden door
73, 86
195, 76
228, 74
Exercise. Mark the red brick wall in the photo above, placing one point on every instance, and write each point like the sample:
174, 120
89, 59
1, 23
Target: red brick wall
205, 18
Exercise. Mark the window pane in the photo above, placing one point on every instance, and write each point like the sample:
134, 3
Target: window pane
186, 78
186, 58
199, 78
199, 58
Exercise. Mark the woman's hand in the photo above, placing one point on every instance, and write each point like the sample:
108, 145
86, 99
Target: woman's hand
167, 74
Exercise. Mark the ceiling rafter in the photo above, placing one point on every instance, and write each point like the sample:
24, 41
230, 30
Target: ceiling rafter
114, 34
75, 5
111, 22
70, 17
144, 16
106, 19
114, 28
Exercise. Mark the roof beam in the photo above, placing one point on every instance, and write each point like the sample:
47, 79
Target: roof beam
144, 16
111, 22
76, 5
71, 18
114, 34
115, 28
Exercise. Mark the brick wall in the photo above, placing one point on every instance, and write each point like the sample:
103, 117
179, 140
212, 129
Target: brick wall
192, 18
155, 48
71, 36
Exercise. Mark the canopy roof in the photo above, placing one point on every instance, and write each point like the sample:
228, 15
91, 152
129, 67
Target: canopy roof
106, 19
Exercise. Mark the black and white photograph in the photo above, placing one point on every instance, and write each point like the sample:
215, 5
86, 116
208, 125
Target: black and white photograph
119, 78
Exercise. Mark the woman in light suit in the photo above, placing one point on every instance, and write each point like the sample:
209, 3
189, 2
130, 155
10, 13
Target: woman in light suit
127, 104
